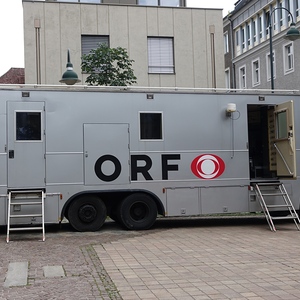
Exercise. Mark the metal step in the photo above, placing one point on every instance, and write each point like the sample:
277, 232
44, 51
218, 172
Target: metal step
287, 203
278, 205
26, 203
26, 216
25, 228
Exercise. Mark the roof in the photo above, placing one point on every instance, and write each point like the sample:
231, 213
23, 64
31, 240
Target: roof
13, 76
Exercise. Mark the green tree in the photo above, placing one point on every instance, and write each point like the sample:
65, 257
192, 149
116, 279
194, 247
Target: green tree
108, 66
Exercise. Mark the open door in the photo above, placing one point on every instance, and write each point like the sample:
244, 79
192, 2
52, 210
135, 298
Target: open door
284, 141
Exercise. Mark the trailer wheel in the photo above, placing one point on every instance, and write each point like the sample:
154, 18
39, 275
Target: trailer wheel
87, 213
138, 212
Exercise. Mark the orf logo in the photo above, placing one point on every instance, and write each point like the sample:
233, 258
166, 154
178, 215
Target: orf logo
208, 166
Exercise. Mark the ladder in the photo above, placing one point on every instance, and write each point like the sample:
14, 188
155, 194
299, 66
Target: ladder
32, 201
266, 192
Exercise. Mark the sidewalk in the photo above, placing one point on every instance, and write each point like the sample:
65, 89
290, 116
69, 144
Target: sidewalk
218, 262
191, 259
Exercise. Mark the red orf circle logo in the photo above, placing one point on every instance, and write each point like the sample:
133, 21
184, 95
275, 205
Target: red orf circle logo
208, 166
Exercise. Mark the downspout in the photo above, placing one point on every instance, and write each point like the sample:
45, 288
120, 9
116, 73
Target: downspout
213, 55
37, 27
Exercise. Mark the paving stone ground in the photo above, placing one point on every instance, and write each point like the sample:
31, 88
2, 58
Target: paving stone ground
231, 258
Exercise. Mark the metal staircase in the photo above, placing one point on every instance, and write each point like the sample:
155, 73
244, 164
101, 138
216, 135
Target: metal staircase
269, 194
26, 204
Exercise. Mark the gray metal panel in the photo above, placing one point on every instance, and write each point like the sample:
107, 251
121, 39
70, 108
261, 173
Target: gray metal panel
101, 140
27, 166
183, 202
224, 199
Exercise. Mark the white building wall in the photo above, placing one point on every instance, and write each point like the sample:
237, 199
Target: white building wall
62, 24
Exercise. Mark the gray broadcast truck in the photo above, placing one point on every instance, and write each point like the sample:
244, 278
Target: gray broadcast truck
85, 153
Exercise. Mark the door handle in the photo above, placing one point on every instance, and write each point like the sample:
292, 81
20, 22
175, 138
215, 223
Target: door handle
11, 154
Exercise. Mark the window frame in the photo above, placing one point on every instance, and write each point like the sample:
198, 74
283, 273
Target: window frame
268, 61
161, 126
18, 140
256, 72
226, 42
287, 56
160, 3
160, 67
227, 78
242, 77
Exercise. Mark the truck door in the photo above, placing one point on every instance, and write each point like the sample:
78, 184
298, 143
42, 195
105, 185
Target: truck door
106, 154
284, 142
25, 144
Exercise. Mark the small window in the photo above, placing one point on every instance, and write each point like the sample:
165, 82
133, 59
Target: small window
226, 43
268, 59
281, 125
173, 3
28, 126
255, 72
242, 74
288, 58
150, 126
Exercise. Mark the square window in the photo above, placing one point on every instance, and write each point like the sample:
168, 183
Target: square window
28, 126
150, 126
89, 42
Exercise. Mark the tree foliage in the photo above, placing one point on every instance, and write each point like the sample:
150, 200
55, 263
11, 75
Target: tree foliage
108, 66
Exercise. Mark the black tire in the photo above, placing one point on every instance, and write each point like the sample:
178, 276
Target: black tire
137, 212
87, 213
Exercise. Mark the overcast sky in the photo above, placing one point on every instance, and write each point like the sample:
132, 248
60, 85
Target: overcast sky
11, 29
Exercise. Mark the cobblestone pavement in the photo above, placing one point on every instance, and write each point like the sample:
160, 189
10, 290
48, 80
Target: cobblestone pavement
230, 258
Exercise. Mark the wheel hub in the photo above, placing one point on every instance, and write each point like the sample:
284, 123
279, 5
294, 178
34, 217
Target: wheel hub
87, 213
138, 211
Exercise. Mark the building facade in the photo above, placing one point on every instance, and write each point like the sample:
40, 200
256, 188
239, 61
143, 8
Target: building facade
247, 61
172, 45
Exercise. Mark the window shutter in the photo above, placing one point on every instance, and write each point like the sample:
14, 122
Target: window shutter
89, 42
160, 55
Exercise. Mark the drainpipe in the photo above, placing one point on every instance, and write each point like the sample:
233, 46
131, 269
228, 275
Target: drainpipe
37, 26
213, 55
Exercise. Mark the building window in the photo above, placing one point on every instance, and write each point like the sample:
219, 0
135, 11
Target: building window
297, 8
89, 42
288, 7
288, 54
267, 18
254, 23
275, 18
172, 3
260, 27
243, 38
82, 1
151, 125
280, 14
255, 72
242, 73
237, 40
248, 35
160, 55
226, 44
269, 66
227, 78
